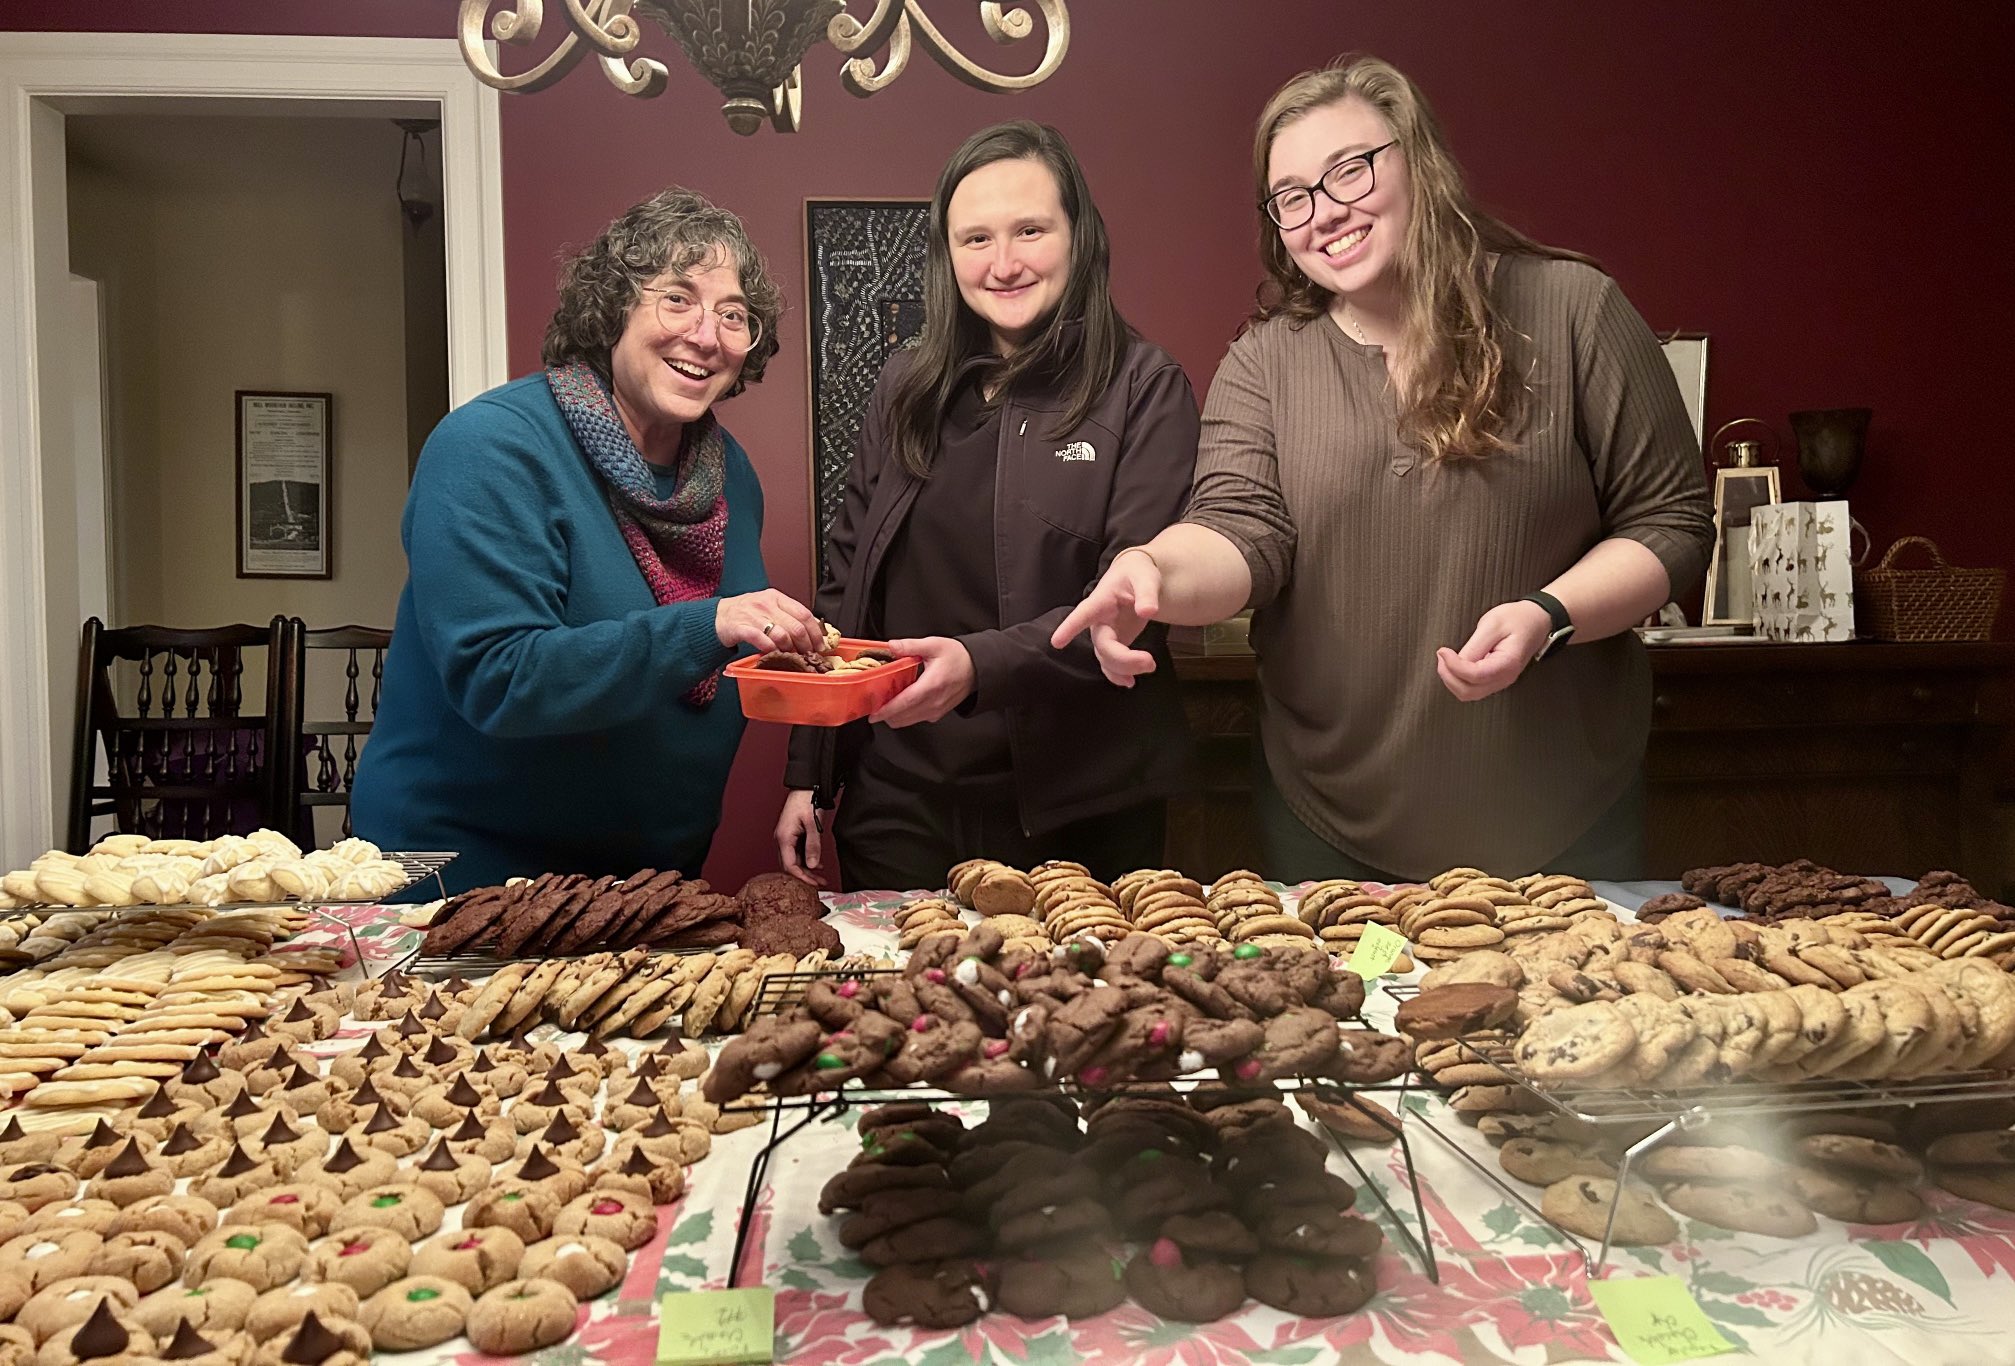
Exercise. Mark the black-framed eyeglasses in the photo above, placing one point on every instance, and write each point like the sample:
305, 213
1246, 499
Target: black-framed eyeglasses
679, 308
1345, 183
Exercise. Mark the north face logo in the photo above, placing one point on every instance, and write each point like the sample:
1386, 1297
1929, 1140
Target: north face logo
1077, 450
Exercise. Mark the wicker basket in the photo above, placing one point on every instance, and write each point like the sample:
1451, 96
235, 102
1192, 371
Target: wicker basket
1940, 603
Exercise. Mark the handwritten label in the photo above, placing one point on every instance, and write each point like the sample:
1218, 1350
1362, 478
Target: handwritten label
697, 1327
1657, 1320
1375, 952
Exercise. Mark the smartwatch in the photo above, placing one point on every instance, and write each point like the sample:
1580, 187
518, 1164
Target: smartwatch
1561, 629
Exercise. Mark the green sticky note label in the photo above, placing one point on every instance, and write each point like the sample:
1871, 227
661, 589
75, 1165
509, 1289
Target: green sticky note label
727, 1326
1657, 1319
1375, 952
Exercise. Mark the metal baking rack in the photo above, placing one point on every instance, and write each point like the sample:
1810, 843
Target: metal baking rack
1682, 1111
780, 990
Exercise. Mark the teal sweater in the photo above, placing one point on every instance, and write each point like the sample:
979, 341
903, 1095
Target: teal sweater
533, 715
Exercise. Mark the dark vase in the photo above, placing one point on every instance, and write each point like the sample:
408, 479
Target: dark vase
1830, 445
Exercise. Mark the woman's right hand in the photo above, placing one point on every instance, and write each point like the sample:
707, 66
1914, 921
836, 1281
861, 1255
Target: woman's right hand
1116, 612
798, 829
768, 620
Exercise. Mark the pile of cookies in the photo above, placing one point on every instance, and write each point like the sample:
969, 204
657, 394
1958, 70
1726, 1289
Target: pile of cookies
1764, 891
632, 994
1186, 1204
972, 1016
1458, 912
564, 913
411, 1191
260, 868
97, 1025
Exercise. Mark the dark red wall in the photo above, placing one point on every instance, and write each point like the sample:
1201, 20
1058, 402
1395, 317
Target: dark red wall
1816, 193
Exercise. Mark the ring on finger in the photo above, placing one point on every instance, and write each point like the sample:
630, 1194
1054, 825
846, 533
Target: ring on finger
769, 627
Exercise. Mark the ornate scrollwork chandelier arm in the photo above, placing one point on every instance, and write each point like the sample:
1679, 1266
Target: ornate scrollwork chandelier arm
605, 24
1003, 25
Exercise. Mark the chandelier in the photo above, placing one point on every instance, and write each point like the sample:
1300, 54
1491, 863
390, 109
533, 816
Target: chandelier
751, 49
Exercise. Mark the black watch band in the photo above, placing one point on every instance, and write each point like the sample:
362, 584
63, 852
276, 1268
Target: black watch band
1562, 629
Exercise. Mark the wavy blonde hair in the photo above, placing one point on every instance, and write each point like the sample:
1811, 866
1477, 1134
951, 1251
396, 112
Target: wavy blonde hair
1463, 396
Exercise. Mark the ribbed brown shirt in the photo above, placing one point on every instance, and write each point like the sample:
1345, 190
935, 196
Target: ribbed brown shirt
1366, 556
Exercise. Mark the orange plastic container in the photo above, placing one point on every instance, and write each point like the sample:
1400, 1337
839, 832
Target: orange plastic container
821, 699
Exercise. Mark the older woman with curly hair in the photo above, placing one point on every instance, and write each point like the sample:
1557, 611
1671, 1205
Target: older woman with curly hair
584, 556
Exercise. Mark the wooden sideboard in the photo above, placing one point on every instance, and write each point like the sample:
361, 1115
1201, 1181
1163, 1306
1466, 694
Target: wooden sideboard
1869, 757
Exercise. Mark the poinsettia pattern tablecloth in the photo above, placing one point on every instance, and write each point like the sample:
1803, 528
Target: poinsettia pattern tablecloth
1511, 1290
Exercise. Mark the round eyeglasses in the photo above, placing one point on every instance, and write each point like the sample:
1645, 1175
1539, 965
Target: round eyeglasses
679, 309
1345, 183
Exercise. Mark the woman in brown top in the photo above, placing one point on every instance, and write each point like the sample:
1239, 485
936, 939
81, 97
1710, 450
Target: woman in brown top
1027, 438
1440, 451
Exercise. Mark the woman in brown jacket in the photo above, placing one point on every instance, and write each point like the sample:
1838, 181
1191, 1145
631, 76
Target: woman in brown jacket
1441, 452
1003, 462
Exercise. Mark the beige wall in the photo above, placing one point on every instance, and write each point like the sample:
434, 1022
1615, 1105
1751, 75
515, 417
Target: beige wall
245, 253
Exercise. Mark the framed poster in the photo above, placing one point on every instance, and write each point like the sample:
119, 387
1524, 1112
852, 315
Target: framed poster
1686, 353
283, 485
864, 293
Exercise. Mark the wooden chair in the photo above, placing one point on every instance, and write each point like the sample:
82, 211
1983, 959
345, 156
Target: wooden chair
182, 758
329, 749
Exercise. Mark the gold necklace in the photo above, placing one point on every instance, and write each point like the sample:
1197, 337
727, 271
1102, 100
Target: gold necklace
1352, 326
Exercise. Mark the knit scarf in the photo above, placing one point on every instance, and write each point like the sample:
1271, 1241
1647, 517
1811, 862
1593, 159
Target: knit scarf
678, 542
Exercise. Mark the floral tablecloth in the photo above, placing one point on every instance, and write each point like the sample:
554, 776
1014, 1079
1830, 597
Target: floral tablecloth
1511, 1289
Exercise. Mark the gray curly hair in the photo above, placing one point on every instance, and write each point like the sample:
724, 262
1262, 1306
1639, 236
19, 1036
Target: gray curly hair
674, 230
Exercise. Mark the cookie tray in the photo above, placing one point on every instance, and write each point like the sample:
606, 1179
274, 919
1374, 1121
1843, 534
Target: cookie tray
1681, 1111
830, 1105
419, 867
483, 960
780, 990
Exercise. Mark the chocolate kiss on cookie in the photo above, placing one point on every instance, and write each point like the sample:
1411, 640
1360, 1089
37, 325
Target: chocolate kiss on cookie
660, 1125
463, 1094
181, 1139
440, 1052
278, 1132
469, 1130
299, 1014
560, 1070
237, 1162
431, 1008
647, 1066
253, 1032
481, 1062
200, 1069
537, 1166
372, 1050
187, 1344
13, 1130
382, 1120
549, 1095
593, 1048
103, 1136
130, 1161
312, 1343
158, 1106
299, 1077
561, 1131
456, 985
641, 1094
243, 1106
409, 1025
344, 1159
282, 1059
367, 1094
405, 1071
31, 1170
638, 1163
440, 1160
101, 1336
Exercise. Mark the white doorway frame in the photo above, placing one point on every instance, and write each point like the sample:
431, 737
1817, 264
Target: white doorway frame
109, 72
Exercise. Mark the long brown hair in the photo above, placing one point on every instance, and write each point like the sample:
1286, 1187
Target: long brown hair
1083, 344
1463, 394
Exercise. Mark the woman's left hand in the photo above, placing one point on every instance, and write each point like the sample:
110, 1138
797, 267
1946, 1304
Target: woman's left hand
946, 681
1504, 642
